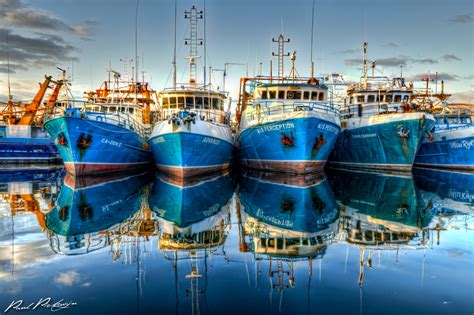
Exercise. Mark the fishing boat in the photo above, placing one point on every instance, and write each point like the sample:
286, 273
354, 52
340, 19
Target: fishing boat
450, 144
286, 124
381, 128
107, 131
22, 138
193, 135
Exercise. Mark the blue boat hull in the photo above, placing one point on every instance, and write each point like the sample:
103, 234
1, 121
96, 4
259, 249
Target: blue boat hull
28, 150
91, 147
190, 154
299, 145
455, 153
380, 146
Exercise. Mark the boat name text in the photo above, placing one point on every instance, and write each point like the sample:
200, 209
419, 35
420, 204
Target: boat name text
283, 126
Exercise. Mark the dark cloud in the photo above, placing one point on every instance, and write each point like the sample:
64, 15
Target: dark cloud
385, 62
428, 61
392, 61
450, 57
463, 18
16, 13
349, 51
441, 76
42, 50
13, 68
391, 45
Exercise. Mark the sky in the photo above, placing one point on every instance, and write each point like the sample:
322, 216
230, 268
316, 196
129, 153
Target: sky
425, 36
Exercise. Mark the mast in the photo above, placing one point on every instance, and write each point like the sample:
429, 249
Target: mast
281, 53
364, 62
312, 40
193, 16
204, 37
10, 96
174, 49
136, 51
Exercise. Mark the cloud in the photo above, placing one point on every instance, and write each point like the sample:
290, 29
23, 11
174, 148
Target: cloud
348, 51
463, 18
429, 61
391, 45
68, 278
41, 50
441, 76
392, 61
16, 13
450, 57
463, 97
385, 62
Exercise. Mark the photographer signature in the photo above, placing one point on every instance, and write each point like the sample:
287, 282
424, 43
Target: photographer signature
47, 303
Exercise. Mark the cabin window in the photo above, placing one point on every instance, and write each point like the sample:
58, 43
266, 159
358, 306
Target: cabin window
321, 96
189, 102
281, 95
452, 120
388, 98
406, 98
264, 95
130, 110
172, 102
199, 102
206, 103
221, 104
360, 99
314, 96
379, 98
350, 100
465, 120
272, 95
215, 103
293, 95
165, 103
181, 102
112, 109
122, 109
397, 99
371, 99
306, 95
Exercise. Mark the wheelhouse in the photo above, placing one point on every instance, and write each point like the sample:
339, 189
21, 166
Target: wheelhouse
208, 105
291, 92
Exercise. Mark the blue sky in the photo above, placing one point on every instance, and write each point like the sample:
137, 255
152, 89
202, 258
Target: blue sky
84, 36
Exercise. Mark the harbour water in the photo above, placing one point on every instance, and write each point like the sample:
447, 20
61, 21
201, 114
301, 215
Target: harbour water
336, 243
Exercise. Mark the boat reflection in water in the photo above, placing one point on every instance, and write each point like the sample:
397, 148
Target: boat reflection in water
27, 194
380, 212
87, 206
285, 220
194, 222
449, 194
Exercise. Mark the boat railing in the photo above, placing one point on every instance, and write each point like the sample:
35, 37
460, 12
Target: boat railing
379, 108
120, 119
209, 115
270, 108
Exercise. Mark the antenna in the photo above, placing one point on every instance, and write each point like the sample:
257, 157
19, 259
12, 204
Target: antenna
204, 37
312, 39
174, 49
10, 97
364, 62
136, 50
281, 53
193, 16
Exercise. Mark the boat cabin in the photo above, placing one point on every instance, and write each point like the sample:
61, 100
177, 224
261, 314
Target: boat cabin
208, 105
291, 92
192, 100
